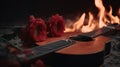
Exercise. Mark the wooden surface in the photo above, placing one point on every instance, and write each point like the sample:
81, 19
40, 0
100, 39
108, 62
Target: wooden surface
79, 48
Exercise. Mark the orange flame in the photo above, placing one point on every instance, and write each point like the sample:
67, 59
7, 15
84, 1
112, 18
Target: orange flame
99, 5
77, 25
92, 24
114, 19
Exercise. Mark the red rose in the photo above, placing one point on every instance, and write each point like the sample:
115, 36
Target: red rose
56, 26
34, 31
38, 30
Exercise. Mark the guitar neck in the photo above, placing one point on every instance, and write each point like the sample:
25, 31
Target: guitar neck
39, 51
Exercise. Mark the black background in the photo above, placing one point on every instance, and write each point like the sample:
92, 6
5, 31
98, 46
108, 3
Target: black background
19, 10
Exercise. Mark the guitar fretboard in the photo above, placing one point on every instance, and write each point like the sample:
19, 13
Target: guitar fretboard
48, 48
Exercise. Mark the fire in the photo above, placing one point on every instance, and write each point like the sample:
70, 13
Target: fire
114, 19
91, 25
102, 21
77, 25
101, 13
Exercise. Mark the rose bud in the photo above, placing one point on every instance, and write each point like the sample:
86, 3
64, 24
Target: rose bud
56, 26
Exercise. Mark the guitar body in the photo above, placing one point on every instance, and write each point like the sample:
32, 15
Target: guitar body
80, 54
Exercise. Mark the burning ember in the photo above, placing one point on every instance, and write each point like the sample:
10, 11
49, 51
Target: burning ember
104, 18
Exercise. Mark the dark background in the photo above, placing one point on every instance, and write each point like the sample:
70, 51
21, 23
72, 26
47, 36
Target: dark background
19, 10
